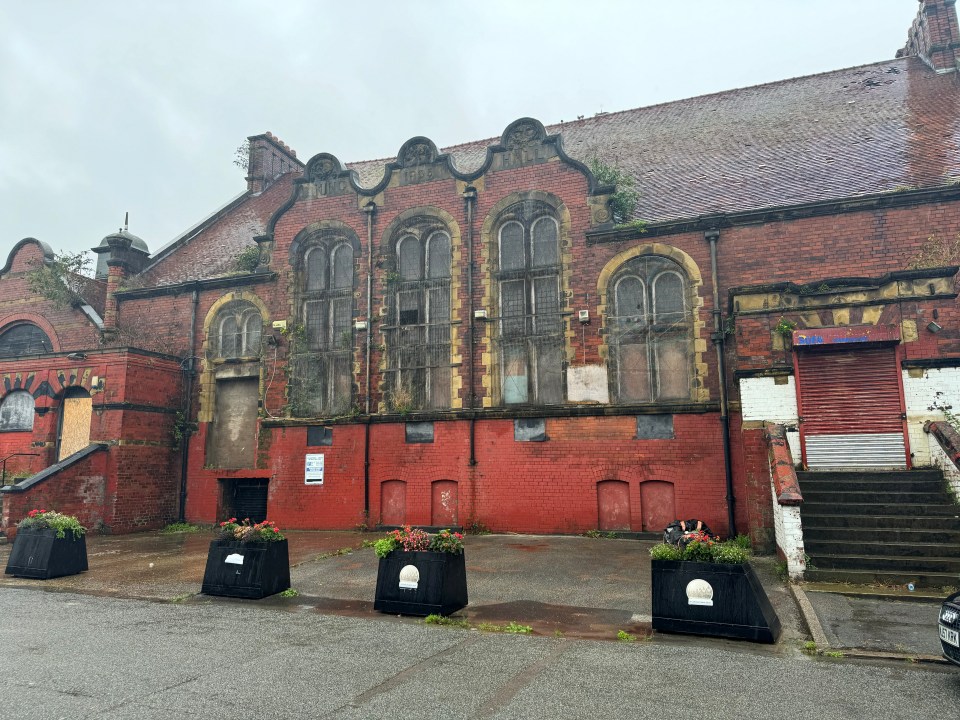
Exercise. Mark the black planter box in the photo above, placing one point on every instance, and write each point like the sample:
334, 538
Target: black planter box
733, 606
40, 554
441, 587
246, 570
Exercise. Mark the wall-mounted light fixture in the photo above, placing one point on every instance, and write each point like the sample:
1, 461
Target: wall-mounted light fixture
934, 327
479, 314
77, 356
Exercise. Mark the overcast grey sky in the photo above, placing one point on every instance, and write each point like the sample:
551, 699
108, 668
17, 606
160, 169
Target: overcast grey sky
108, 107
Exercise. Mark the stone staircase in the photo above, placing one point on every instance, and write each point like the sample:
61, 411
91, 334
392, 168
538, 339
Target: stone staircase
889, 528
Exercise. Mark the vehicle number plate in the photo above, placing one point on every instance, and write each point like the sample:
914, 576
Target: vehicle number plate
950, 636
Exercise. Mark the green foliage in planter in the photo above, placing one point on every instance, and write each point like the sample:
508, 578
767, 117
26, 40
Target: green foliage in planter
412, 539
247, 531
728, 552
52, 520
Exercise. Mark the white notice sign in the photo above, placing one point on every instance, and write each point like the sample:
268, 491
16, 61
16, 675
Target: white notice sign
313, 473
235, 559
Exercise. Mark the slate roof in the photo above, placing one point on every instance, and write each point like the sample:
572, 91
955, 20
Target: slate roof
868, 129
876, 128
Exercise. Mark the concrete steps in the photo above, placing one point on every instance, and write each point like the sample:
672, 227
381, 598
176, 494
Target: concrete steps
889, 528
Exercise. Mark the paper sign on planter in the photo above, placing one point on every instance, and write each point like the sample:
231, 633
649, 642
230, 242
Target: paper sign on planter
235, 559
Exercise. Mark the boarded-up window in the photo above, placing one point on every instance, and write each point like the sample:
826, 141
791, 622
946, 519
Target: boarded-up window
321, 377
232, 441
24, 339
650, 331
530, 336
418, 329
16, 411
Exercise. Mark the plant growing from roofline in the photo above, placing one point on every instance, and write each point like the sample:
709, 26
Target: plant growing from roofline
61, 281
624, 199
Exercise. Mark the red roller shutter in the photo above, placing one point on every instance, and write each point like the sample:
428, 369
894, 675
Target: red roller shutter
851, 409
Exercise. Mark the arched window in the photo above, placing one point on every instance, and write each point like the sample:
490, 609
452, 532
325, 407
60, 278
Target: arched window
24, 339
16, 411
418, 331
321, 359
650, 331
530, 329
237, 331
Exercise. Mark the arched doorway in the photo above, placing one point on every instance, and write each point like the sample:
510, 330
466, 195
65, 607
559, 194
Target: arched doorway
75, 412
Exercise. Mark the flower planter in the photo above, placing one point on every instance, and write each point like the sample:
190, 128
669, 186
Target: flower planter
251, 570
437, 584
40, 554
722, 600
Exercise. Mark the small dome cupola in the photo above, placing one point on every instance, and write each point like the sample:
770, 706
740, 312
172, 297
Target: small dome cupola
124, 246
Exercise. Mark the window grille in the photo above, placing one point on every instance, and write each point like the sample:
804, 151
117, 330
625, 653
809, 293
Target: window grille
418, 331
237, 331
530, 336
321, 359
650, 330
24, 339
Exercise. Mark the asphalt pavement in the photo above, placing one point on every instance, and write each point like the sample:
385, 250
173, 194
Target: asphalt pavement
560, 586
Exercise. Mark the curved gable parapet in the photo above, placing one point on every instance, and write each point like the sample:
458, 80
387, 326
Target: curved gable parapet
48, 255
525, 142
323, 176
418, 161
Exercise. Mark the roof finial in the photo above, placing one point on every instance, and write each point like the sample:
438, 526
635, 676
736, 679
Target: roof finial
126, 220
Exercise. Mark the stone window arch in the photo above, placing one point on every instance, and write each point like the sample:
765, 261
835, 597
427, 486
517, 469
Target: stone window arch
237, 331
650, 327
529, 331
418, 328
321, 359
24, 338
16, 412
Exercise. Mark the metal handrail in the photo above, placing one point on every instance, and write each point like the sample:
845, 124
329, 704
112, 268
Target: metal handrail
3, 464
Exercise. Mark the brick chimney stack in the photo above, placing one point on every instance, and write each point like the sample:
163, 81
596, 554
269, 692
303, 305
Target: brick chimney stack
269, 158
934, 36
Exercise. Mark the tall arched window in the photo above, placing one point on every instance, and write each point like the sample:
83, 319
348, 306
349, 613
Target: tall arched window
16, 412
24, 339
237, 331
650, 331
530, 328
418, 333
321, 359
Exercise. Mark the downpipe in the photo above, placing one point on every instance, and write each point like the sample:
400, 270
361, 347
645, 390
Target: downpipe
713, 236
188, 407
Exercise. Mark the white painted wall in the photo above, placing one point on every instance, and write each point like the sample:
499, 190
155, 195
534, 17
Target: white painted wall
950, 472
762, 399
919, 395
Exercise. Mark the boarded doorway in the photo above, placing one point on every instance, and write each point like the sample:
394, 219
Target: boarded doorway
233, 434
657, 505
613, 505
443, 503
74, 422
393, 502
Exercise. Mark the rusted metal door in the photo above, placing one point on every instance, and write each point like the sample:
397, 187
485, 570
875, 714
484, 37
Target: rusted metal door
851, 409
393, 502
233, 434
443, 503
613, 505
74, 422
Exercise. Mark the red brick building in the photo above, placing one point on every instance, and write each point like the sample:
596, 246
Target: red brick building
497, 333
